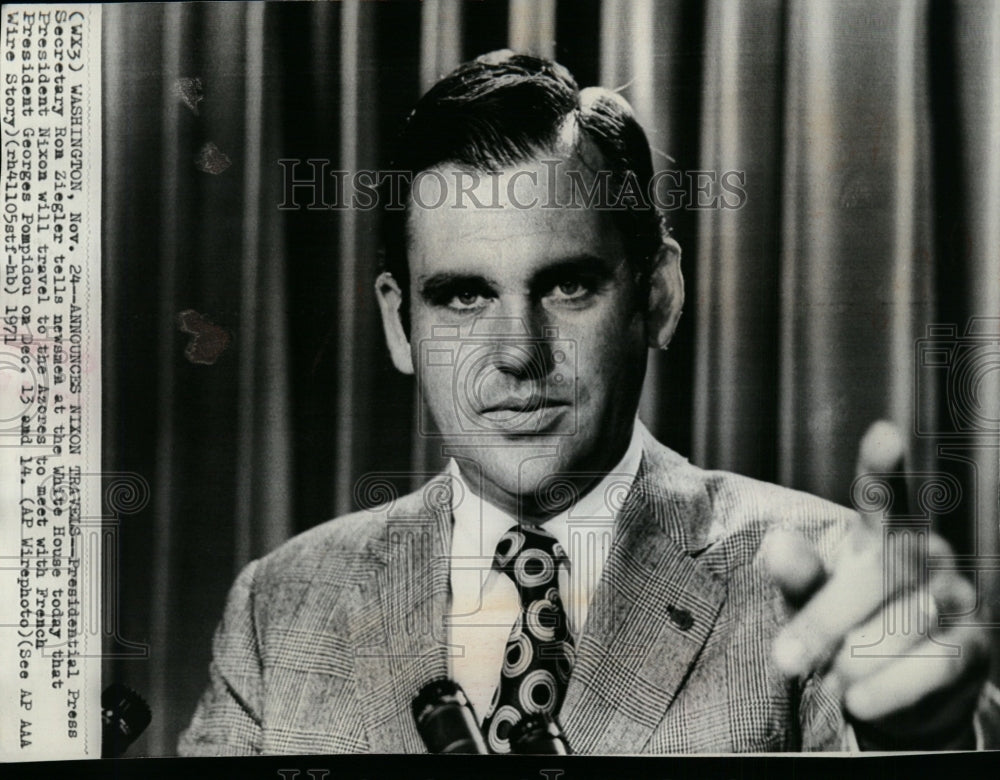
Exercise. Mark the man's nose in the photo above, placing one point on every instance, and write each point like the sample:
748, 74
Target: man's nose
522, 346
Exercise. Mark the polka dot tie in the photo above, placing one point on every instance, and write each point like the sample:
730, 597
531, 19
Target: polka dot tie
538, 657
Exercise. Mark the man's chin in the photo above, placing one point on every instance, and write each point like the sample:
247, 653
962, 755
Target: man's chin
534, 481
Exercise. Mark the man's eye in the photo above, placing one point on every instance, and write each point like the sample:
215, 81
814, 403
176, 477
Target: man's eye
570, 290
467, 299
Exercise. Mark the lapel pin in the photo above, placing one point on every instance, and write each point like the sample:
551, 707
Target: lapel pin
680, 618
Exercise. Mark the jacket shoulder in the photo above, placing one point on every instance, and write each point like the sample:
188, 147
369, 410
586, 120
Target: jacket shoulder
736, 511
329, 559
339, 539
746, 510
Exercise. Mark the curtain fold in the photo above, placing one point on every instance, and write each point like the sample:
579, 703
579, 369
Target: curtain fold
263, 507
358, 246
735, 389
441, 52
974, 266
165, 527
858, 234
532, 27
651, 53
855, 212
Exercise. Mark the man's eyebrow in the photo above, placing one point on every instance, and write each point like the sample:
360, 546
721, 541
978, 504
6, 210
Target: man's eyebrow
433, 286
591, 265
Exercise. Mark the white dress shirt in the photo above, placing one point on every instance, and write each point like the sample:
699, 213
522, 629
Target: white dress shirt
484, 601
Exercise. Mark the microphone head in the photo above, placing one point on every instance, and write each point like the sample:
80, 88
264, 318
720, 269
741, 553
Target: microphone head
538, 734
124, 716
435, 693
445, 719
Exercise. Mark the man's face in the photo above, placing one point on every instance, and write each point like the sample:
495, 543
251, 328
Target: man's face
526, 339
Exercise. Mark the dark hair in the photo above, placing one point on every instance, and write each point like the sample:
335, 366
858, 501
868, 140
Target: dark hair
503, 108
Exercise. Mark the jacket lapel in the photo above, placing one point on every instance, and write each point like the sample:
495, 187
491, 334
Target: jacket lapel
651, 613
397, 625
650, 616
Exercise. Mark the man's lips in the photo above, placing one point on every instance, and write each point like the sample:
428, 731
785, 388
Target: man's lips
523, 405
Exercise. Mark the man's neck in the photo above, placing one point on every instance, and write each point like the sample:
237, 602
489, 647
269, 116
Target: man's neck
573, 486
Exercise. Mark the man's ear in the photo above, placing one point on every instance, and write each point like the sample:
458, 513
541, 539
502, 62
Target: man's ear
666, 295
390, 299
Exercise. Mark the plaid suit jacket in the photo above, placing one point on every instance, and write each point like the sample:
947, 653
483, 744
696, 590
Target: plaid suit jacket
325, 641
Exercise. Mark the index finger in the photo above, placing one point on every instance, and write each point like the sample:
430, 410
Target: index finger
856, 587
881, 450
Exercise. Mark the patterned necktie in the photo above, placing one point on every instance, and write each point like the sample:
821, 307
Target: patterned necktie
538, 657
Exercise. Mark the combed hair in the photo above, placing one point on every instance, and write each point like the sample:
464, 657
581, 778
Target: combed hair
502, 109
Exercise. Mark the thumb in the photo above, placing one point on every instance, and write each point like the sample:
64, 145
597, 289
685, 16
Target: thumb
794, 565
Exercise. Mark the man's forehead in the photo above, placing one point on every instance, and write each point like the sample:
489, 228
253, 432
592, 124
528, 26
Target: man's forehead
571, 163
542, 204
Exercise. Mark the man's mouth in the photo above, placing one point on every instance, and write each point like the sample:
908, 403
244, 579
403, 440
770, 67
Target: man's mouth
520, 417
522, 405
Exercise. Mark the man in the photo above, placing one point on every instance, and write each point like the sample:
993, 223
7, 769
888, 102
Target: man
723, 613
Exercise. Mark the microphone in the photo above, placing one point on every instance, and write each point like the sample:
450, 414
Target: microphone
538, 735
445, 719
124, 716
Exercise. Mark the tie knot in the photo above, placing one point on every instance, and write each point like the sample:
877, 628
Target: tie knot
530, 556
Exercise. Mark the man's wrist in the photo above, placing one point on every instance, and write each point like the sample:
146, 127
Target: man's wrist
961, 736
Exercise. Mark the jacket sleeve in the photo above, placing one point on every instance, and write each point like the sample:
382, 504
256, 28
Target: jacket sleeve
987, 720
227, 720
824, 728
